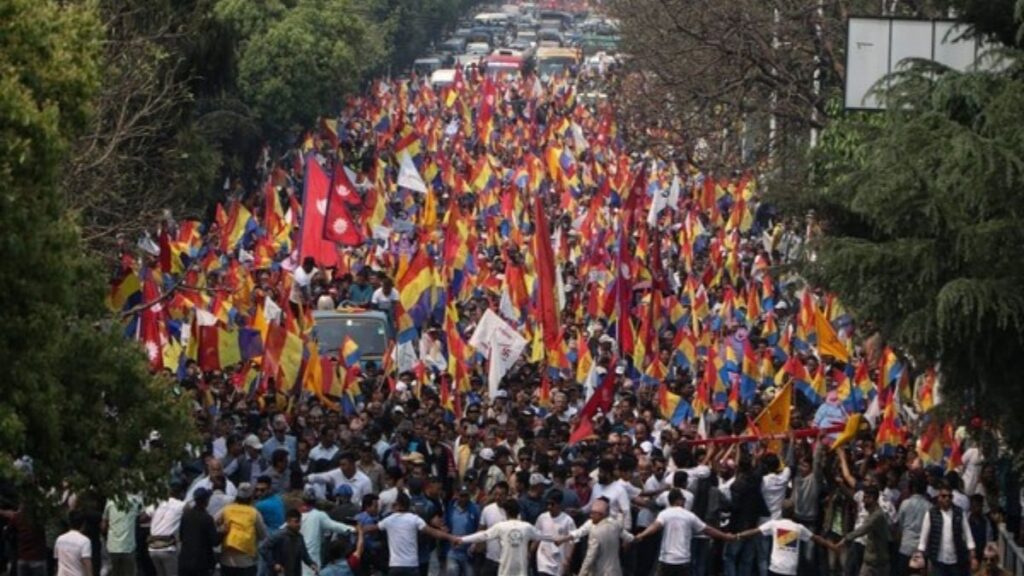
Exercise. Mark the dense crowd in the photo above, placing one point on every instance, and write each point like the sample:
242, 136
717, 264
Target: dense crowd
675, 403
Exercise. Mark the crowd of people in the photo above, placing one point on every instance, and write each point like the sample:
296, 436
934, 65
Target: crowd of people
626, 437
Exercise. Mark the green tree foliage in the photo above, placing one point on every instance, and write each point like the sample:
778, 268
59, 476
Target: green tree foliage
77, 397
924, 205
304, 63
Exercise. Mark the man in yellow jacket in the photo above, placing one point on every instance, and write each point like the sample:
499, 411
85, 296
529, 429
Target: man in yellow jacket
243, 530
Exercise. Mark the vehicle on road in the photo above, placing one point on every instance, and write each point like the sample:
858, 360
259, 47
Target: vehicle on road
369, 329
555, 61
441, 78
424, 67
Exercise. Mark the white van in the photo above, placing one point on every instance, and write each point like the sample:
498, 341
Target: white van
441, 78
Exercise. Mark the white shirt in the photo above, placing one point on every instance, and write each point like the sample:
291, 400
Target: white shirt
550, 556
387, 499
618, 501
514, 537
403, 530
947, 548
382, 301
490, 517
166, 519
70, 549
679, 526
961, 501
300, 280
320, 452
972, 461
359, 482
662, 500
645, 516
205, 482
786, 538
693, 476
773, 488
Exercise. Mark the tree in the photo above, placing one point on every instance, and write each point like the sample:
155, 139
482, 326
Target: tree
924, 209
303, 64
746, 80
78, 399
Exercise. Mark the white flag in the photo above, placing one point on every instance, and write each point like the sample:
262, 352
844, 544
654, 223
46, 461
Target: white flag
501, 344
406, 357
204, 318
658, 203
271, 311
408, 176
673, 194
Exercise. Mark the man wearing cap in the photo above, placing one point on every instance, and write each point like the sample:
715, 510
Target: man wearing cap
403, 529
251, 464
492, 472
554, 559
531, 504
315, 525
462, 518
243, 529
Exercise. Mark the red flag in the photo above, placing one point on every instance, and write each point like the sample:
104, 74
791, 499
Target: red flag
149, 324
314, 203
338, 225
545, 258
602, 399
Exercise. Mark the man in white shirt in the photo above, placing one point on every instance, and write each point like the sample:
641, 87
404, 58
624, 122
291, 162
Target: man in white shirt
680, 525
554, 559
403, 529
514, 536
946, 539
607, 488
384, 298
302, 281
346, 473
773, 489
214, 470
786, 537
492, 515
326, 449
163, 533
73, 551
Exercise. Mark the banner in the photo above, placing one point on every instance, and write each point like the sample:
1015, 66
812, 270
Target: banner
500, 343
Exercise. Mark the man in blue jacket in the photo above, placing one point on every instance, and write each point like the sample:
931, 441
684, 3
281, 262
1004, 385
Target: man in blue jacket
462, 518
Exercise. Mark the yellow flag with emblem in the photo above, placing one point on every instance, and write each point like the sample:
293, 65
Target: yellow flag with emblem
774, 419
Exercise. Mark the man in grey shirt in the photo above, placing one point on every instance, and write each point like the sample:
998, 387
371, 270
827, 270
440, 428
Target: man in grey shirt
909, 520
806, 496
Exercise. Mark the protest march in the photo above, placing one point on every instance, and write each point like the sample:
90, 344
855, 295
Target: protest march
476, 327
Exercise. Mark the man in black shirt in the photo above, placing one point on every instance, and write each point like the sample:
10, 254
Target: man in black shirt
199, 537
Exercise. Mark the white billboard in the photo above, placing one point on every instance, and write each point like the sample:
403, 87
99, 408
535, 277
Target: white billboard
876, 47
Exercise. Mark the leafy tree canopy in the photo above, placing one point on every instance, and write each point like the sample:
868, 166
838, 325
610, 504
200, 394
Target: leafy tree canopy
924, 205
302, 65
77, 397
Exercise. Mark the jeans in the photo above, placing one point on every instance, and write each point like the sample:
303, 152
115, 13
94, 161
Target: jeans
122, 564
31, 568
739, 558
403, 571
459, 565
854, 558
233, 571
647, 555
699, 551
165, 562
764, 552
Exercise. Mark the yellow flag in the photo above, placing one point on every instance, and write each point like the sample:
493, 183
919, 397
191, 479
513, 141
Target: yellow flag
774, 419
313, 379
848, 433
828, 342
